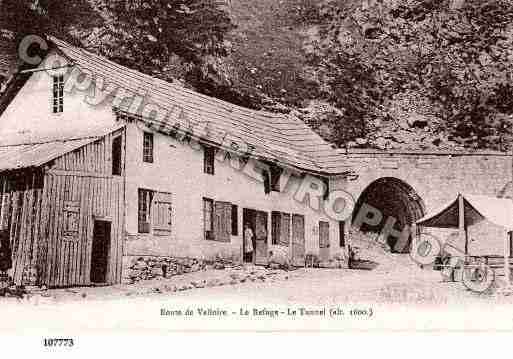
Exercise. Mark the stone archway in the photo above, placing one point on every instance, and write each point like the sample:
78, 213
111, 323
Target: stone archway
393, 198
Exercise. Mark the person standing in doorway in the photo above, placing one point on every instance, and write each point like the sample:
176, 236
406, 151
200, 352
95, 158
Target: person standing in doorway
248, 243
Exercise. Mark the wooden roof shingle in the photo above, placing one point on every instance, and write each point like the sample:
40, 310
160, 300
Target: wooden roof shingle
279, 138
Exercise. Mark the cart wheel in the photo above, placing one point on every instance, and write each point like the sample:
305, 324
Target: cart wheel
478, 278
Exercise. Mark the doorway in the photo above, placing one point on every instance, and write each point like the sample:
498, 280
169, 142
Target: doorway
298, 240
257, 221
324, 241
100, 251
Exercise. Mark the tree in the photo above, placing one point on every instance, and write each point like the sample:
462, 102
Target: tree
148, 35
23, 17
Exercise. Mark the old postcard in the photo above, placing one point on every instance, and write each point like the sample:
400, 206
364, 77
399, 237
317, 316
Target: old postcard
241, 165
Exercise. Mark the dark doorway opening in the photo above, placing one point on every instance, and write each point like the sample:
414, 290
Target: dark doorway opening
298, 240
257, 221
117, 165
393, 198
100, 252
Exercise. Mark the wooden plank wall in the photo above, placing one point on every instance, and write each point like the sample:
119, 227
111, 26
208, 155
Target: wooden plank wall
94, 157
68, 259
34, 209
21, 194
83, 177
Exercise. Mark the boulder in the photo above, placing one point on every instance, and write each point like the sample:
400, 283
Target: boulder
416, 120
140, 265
279, 260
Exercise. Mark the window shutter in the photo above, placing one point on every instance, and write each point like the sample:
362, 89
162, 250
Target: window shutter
162, 212
223, 221
276, 225
235, 220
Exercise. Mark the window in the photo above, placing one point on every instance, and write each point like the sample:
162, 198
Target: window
155, 212
208, 159
144, 210
71, 214
116, 156
148, 147
58, 94
208, 218
235, 220
267, 181
326, 182
275, 178
280, 223
342, 233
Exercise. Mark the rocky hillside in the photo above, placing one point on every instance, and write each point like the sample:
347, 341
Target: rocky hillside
382, 74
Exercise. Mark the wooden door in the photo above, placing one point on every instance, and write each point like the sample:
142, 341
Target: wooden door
324, 241
261, 256
298, 240
100, 251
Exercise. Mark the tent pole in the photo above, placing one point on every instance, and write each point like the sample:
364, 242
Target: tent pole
466, 240
507, 242
414, 236
461, 223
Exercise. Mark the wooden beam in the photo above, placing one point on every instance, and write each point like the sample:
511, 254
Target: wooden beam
461, 222
44, 69
79, 174
507, 242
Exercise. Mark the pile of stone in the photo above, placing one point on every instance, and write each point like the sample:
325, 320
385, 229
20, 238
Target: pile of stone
145, 268
338, 261
225, 263
334, 263
255, 274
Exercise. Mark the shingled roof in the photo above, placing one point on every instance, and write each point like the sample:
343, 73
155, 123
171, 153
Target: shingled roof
278, 138
7, 56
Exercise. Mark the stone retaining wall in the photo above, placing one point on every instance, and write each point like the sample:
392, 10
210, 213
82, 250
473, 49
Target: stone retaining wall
137, 268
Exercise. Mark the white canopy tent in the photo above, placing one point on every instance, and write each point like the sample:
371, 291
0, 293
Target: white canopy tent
477, 208
466, 210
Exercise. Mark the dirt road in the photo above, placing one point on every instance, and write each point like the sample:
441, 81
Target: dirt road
400, 283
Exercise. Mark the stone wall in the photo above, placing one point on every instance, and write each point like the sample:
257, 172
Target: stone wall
137, 268
436, 177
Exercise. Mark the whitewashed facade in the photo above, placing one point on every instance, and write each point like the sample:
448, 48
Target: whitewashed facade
177, 172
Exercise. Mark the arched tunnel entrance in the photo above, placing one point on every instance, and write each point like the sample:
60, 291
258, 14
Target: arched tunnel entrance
393, 198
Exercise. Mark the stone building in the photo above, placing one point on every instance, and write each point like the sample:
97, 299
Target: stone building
101, 164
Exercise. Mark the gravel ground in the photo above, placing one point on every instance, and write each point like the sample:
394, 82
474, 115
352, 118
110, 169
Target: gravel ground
396, 280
